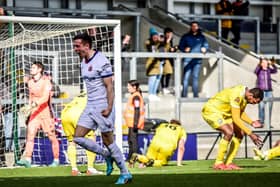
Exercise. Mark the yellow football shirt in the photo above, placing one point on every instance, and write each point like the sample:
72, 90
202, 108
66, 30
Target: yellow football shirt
169, 134
223, 101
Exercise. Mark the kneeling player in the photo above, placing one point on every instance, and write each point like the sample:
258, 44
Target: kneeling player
69, 118
167, 138
269, 154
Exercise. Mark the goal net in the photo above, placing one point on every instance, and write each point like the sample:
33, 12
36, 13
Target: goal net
48, 40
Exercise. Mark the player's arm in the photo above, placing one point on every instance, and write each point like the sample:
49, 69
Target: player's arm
136, 103
181, 151
181, 147
110, 95
236, 117
247, 119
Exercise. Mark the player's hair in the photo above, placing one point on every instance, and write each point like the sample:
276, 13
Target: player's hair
39, 65
257, 93
136, 84
86, 39
175, 121
167, 29
194, 22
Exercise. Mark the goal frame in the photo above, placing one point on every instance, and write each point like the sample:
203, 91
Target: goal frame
116, 23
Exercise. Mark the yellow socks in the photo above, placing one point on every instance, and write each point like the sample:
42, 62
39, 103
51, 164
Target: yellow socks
72, 154
221, 151
90, 158
234, 146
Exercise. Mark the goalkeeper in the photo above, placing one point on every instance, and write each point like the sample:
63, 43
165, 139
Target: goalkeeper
69, 118
41, 115
269, 154
167, 138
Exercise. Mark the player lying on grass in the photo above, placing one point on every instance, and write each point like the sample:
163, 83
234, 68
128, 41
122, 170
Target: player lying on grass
167, 138
268, 154
69, 118
225, 112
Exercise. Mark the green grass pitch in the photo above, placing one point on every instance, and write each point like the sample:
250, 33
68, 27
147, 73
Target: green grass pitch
193, 173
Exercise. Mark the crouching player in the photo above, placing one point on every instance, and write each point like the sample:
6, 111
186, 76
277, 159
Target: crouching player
167, 138
269, 154
69, 118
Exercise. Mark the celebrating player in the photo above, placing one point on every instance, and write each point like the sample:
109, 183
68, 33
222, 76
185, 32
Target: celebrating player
41, 115
69, 118
269, 154
167, 138
99, 111
225, 112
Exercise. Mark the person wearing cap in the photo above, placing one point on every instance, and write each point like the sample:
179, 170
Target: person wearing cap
153, 65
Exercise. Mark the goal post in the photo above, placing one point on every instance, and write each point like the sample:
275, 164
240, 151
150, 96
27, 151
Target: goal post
49, 40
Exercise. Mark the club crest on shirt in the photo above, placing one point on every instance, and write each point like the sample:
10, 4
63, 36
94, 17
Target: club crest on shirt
90, 68
237, 99
220, 121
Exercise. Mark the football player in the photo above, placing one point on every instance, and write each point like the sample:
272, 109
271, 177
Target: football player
69, 118
167, 138
269, 154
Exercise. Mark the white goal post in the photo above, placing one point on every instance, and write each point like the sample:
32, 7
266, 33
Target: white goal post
78, 24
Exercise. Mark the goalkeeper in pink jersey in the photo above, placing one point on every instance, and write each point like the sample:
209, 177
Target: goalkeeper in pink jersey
40, 116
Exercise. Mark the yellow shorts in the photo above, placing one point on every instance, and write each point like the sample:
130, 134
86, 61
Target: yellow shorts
161, 153
215, 119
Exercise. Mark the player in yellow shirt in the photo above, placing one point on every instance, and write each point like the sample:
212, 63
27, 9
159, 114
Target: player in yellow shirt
269, 154
167, 138
69, 118
225, 112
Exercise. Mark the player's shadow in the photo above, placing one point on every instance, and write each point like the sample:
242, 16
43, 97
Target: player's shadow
254, 166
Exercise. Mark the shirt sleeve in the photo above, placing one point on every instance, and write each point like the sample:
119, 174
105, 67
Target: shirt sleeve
238, 122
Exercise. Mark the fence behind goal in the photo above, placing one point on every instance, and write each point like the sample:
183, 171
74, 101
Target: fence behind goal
48, 40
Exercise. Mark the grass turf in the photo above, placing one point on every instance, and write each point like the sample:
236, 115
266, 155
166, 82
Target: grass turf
193, 173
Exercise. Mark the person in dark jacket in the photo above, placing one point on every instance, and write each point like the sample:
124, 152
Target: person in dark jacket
240, 8
263, 71
192, 42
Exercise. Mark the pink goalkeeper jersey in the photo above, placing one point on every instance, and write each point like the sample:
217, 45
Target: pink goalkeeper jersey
39, 92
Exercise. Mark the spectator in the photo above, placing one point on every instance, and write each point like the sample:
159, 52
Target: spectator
168, 65
134, 115
263, 71
240, 8
192, 42
224, 7
168, 137
125, 47
3, 13
126, 42
153, 65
